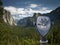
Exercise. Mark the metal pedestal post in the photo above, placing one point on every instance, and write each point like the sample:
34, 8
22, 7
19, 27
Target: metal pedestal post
43, 41
43, 44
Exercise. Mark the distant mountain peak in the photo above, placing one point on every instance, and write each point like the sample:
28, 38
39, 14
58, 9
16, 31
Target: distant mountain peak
57, 10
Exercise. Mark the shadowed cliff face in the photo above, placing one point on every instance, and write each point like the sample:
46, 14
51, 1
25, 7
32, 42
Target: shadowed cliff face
55, 15
8, 18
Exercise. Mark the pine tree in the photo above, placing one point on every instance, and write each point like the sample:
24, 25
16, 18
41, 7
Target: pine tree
1, 11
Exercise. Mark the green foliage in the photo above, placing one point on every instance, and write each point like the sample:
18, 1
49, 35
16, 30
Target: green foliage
17, 35
1, 12
0, 2
26, 35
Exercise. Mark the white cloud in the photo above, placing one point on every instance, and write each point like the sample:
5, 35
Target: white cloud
44, 8
20, 9
26, 11
33, 5
11, 9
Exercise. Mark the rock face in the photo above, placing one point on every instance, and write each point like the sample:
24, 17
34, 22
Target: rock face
22, 22
35, 16
55, 14
25, 22
8, 18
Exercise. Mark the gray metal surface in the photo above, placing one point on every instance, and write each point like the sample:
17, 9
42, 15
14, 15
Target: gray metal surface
43, 25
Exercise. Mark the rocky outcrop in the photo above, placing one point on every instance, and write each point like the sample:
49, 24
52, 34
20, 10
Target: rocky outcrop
7, 17
25, 22
35, 16
22, 22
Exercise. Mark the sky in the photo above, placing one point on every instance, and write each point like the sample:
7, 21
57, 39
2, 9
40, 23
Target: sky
25, 8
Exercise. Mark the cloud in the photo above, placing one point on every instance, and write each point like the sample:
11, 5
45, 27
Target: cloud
11, 9
44, 8
25, 12
33, 5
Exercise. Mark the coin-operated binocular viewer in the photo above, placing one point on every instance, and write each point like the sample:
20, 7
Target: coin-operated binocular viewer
43, 25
